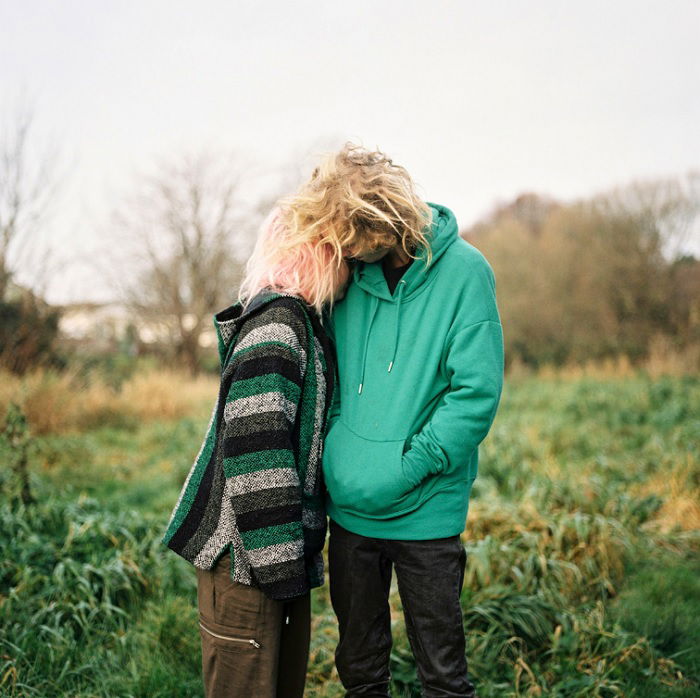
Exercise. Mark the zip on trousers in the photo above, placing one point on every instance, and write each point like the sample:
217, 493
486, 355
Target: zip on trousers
226, 637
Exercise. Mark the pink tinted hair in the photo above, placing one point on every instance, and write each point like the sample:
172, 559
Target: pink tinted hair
308, 267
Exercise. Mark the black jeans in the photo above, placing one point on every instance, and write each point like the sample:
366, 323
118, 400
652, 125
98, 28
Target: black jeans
430, 574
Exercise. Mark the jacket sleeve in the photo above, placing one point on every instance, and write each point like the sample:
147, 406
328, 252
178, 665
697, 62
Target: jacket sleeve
259, 457
474, 364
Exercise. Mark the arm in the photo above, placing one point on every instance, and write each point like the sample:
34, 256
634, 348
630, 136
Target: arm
474, 363
335, 401
259, 458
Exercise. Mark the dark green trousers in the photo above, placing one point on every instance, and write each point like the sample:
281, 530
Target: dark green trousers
252, 646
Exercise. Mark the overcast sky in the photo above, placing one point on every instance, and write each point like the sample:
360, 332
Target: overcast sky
480, 100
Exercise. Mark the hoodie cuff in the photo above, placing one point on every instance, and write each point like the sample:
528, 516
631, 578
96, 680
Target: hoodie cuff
419, 462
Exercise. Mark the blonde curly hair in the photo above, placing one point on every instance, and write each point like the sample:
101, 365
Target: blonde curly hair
356, 201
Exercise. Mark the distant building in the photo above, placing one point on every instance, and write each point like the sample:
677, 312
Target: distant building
109, 324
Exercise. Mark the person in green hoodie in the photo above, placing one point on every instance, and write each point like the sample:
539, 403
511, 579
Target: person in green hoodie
420, 367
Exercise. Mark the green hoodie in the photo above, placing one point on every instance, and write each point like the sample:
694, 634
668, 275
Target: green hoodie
420, 376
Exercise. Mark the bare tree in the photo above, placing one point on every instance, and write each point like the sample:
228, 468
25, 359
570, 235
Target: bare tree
667, 211
179, 243
27, 188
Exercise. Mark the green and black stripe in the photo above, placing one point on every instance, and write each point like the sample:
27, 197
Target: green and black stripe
256, 486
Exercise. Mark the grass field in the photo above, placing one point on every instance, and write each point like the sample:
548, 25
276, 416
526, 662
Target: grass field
583, 573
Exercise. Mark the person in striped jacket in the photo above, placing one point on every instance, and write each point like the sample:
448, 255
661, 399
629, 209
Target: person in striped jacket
250, 516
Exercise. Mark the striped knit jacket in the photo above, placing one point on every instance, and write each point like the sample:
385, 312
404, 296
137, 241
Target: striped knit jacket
256, 487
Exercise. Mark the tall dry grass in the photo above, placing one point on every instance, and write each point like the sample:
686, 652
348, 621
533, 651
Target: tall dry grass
63, 401
663, 359
680, 495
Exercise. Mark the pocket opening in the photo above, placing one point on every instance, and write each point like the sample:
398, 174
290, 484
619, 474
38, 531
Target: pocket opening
365, 476
249, 641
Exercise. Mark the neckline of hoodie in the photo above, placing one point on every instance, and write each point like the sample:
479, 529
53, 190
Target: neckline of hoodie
419, 264
404, 299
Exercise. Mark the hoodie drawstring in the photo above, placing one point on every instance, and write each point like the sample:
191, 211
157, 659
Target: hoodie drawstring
399, 293
402, 285
364, 352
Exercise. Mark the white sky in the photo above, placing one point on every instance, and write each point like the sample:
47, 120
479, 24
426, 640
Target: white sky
480, 100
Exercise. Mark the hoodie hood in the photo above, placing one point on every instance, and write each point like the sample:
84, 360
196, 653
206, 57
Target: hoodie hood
370, 277
228, 321
442, 233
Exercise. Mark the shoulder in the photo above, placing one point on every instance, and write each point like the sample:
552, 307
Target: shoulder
467, 277
464, 256
280, 322
289, 310
465, 269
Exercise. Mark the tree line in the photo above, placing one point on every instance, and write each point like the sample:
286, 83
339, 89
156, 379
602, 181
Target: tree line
599, 277
576, 281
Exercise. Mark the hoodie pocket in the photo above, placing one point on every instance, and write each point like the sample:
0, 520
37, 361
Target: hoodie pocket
365, 476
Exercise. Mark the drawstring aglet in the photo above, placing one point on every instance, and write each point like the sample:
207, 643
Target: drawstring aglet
359, 389
391, 363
